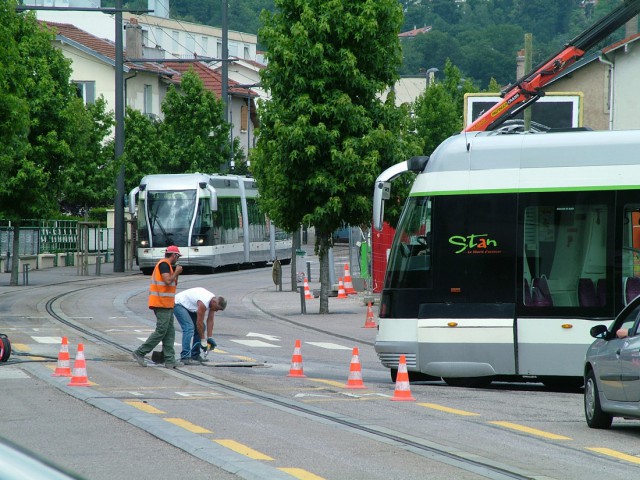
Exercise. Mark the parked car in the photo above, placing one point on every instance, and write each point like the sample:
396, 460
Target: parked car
341, 235
612, 370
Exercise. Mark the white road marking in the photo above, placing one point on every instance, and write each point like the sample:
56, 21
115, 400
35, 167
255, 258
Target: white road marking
256, 343
47, 339
271, 338
330, 346
12, 373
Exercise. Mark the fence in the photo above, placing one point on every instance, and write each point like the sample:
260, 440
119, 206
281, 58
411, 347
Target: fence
63, 239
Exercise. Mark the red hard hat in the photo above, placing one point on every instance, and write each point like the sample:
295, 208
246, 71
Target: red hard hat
173, 249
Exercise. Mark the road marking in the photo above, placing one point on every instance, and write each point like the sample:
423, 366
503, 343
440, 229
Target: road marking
532, 431
145, 407
613, 453
448, 410
193, 428
47, 339
300, 474
22, 347
301, 395
256, 343
199, 394
243, 449
328, 345
329, 382
271, 338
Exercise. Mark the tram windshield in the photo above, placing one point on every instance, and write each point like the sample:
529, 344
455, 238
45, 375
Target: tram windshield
410, 262
170, 214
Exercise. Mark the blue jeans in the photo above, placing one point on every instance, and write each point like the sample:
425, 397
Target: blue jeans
190, 335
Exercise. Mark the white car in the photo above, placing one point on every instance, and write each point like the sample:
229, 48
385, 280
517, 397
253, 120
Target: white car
612, 370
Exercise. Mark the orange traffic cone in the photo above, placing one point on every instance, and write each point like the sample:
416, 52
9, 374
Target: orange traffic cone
369, 321
63, 369
307, 292
348, 285
341, 292
296, 362
79, 376
355, 373
402, 392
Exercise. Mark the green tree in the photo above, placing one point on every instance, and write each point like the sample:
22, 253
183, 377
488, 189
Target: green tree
439, 110
144, 150
89, 180
194, 130
323, 137
38, 96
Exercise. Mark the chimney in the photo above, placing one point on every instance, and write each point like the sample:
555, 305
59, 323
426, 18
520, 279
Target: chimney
520, 64
134, 39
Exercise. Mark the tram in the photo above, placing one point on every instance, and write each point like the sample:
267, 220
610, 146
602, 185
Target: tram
213, 219
509, 249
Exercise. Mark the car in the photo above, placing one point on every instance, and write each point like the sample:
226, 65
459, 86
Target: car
18, 463
341, 235
612, 370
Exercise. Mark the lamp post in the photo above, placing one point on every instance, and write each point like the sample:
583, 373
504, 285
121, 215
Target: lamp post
431, 76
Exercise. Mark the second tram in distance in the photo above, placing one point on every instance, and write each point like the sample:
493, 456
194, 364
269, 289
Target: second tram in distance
213, 219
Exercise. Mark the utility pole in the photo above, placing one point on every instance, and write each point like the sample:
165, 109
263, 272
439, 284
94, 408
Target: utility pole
118, 226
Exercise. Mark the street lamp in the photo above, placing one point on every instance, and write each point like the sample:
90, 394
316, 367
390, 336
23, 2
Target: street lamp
431, 76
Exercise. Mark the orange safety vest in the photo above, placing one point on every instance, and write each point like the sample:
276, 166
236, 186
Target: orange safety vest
161, 295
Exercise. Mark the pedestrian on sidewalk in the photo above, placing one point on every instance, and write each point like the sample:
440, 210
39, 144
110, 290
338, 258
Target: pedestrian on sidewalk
162, 291
192, 306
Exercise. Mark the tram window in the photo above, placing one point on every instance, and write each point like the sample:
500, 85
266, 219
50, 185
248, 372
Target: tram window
203, 225
170, 214
565, 256
410, 263
228, 220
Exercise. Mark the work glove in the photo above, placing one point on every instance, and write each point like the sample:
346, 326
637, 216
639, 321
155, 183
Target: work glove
211, 343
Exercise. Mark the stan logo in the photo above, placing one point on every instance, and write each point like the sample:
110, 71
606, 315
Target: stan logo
474, 244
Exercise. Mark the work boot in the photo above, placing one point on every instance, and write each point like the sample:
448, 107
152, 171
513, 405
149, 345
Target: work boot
139, 358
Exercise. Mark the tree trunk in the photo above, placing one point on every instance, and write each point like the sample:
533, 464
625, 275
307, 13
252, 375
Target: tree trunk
15, 265
322, 242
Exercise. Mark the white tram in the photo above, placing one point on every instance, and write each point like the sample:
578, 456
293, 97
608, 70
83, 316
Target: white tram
510, 248
213, 219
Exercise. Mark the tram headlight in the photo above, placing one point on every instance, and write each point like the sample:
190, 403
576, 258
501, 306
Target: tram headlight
144, 243
200, 241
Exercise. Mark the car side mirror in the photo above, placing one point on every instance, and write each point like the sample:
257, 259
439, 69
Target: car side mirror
599, 331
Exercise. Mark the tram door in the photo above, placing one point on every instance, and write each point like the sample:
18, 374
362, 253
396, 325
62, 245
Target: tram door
476, 238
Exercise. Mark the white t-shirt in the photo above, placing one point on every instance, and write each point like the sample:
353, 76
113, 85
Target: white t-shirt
189, 298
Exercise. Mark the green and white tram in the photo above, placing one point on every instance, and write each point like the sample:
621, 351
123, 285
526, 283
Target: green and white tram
510, 248
213, 219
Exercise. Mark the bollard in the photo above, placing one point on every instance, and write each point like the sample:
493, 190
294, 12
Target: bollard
309, 271
25, 274
303, 304
276, 274
98, 264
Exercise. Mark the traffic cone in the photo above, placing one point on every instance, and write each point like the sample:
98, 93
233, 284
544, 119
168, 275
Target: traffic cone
341, 292
402, 392
369, 321
355, 373
307, 292
63, 369
348, 285
79, 376
296, 362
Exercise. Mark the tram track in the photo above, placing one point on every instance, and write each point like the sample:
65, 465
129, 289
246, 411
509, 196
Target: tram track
435, 452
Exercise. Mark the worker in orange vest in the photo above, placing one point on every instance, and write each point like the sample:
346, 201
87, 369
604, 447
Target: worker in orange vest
162, 291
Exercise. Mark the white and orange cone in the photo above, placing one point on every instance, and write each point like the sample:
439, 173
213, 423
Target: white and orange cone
63, 368
307, 292
341, 292
402, 392
355, 372
369, 322
79, 375
348, 284
296, 362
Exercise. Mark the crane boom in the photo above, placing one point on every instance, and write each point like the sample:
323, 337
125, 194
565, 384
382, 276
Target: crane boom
528, 89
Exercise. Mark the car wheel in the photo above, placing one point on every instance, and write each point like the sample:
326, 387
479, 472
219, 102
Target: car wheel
596, 418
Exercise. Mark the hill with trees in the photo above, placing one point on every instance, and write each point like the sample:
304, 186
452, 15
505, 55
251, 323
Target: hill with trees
481, 37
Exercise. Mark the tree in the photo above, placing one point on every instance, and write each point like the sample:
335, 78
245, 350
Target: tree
325, 134
35, 93
89, 180
194, 130
144, 149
